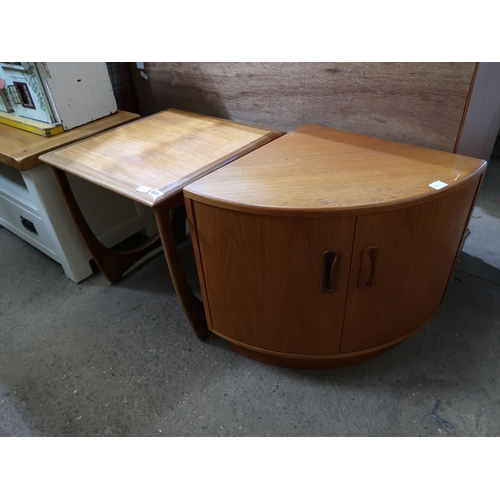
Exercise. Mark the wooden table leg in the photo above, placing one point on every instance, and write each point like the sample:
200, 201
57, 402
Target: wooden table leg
112, 263
193, 307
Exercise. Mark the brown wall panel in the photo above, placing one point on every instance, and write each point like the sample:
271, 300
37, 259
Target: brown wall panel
267, 94
416, 103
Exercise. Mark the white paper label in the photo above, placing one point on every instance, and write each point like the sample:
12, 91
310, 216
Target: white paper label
438, 185
144, 75
140, 65
143, 189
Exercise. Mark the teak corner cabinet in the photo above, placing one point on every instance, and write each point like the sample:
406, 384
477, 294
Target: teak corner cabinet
325, 248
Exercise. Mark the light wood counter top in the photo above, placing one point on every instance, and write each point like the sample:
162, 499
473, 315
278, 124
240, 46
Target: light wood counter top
150, 161
153, 158
316, 170
21, 150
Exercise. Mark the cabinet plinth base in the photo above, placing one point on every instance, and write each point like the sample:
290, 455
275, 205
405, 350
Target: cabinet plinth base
335, 361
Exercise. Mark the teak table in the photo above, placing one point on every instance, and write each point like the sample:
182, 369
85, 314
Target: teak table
324, 247
31, 205
150, 161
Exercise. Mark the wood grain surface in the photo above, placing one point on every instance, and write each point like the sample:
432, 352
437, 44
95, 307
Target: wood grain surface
261, 275
417, 248
162, 152
267, 228
315, 170
21, 150
262, 278
416, 103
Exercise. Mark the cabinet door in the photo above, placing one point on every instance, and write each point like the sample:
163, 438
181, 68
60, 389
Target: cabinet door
402, 262
268, 282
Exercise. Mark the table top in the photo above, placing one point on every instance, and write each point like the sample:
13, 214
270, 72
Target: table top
152, 159
21, 149
318, 170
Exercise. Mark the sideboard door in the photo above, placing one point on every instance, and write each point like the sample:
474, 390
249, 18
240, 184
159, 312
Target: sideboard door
276, 283
401, 266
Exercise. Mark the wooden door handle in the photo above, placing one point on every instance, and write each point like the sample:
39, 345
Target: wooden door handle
367, 269
331, 271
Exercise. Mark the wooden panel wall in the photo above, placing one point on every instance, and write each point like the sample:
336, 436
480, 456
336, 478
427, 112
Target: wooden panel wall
416, 103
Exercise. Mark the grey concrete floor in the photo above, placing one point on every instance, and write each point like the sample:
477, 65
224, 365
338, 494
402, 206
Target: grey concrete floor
94, 359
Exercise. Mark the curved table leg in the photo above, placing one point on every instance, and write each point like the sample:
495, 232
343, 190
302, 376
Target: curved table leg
112, 263
193, 307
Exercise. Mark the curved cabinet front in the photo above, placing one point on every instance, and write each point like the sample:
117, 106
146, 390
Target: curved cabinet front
263, 278
416, 249
292, 281
305, 288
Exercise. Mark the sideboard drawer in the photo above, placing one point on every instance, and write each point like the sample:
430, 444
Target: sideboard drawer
26, 224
